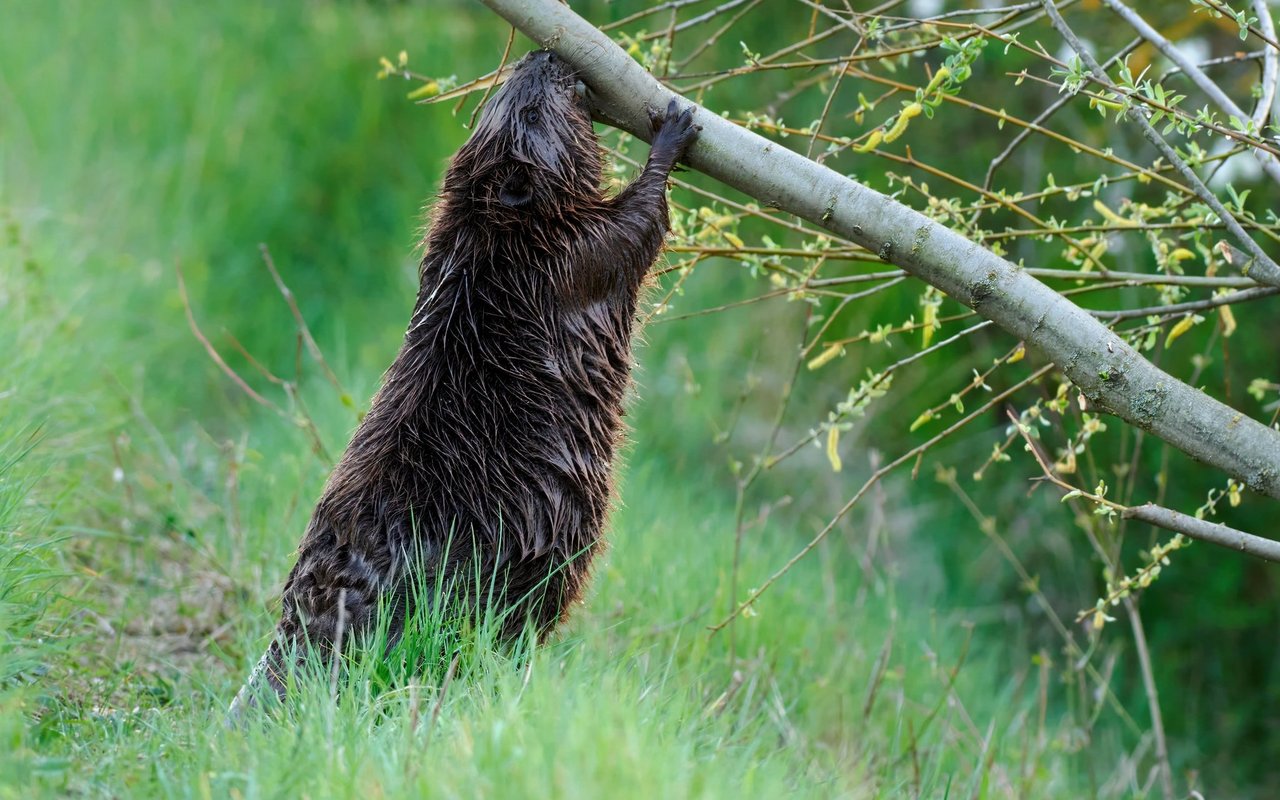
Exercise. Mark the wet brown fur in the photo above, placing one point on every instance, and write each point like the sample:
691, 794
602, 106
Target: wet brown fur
487, 452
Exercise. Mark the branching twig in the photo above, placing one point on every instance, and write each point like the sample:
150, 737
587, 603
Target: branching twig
1170, 520
1269, 38
213, 353
1231, 299
303, 419
1040, 119
1266, 270
1153, 696
1090, 354
1270, 65
301, 323
1205, 531
1269, 163
871, 481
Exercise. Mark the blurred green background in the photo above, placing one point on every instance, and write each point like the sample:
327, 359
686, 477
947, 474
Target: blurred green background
151, 508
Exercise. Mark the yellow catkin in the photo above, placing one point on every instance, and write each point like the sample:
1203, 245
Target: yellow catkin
1182, 327
930, 323
428, 89
825, 356
1228, 318
833, 452
938, 77
1111, 216
1095, 255
900, 127
872, 142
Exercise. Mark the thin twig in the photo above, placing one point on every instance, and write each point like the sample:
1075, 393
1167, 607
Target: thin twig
300, 322
1268, 269
1268, 162
670, 5
1153, 696
1144, 657
444, 690
502, 64
1040, 119
964, 12
1268, 38
871, 481
1170, 520
1080, 659
213, 352
708, 41
1234, 298
1205, 531
1270, 66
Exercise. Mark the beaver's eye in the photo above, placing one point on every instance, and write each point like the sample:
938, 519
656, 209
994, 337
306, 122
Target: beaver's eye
531, 116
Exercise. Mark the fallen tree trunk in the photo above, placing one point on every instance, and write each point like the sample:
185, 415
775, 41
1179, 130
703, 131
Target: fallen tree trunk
1114, 376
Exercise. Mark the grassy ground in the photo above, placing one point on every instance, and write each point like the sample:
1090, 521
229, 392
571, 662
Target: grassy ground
134, 602
148, 510
118, 690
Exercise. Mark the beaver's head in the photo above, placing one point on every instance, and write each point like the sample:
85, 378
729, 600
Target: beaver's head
534, 146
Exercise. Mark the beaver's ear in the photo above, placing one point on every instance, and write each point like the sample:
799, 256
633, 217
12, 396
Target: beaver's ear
517, 189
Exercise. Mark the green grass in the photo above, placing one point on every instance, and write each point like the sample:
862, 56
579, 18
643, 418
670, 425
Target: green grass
145, 596
634, 700
149, 510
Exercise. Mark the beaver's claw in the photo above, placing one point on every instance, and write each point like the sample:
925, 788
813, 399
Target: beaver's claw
674, 131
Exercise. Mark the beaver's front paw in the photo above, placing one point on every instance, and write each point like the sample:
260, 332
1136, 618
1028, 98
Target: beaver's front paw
674, 131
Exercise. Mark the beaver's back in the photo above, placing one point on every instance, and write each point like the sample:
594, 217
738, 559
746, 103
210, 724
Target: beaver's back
488, 451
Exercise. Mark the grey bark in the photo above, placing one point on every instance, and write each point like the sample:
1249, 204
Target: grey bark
1110, 373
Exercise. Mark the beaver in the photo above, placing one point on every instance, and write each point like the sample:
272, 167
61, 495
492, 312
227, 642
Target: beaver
486, 455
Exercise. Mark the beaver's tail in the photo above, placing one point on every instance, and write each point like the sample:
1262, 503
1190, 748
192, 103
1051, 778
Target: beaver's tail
266, 680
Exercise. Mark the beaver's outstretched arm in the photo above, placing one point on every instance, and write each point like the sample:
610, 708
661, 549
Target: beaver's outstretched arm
620, 246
